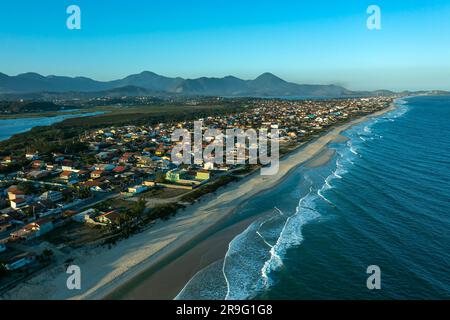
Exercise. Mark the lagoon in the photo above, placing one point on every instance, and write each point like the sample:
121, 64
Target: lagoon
10, 127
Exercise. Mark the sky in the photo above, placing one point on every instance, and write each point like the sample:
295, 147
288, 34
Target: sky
319, 41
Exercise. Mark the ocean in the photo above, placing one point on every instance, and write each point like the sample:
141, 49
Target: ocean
382, 199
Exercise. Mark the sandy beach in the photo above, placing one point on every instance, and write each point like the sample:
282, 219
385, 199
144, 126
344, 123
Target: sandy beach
105, 270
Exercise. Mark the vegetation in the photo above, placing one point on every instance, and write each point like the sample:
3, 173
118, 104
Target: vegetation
208, 188
83, 192
47, 255
3, 270
138, 208
15, 107
164, 212
27, 187
160, 177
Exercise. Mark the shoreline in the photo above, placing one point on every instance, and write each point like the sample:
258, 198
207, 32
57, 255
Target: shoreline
112, 269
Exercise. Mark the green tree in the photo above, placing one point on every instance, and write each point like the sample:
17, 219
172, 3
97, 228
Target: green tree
160, 177
83, 192
27, 188
47, 254
138, 208
3, 270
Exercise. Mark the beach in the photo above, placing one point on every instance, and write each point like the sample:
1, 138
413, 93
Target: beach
104, 271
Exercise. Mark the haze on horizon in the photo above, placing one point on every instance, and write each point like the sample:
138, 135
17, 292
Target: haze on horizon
319, 42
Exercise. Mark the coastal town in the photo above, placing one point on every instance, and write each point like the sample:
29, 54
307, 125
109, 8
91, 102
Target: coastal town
124, 179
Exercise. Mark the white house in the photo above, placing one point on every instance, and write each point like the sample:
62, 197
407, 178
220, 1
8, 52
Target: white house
18, 203
84, 216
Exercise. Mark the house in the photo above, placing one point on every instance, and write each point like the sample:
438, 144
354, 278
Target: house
103, 155
38, 174
173, 175
14, 193
7, 160
54, 196
149, 183
111, 217
38, 164
97, 174
85, 216
119, 169
159, 152
58, 157
32, 156
83, 174
104, 167
44, 225
18, 203
202, 175
33, 230
96, 185
21, 261
68, 175
137, 189
67, 166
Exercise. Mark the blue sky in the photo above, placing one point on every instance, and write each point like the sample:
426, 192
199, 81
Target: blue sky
316, 41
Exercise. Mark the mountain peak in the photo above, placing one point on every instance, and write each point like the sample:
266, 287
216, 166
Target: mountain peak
268, 76
30, 75
147, 72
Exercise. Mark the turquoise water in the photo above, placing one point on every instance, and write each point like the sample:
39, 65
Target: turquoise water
382, 200
10, 127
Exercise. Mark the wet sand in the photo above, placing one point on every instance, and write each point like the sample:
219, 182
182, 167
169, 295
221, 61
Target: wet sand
321, 159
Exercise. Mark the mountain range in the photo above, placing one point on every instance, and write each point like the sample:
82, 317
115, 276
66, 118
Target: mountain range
150, 83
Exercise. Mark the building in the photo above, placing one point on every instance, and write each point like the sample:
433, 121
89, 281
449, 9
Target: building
85, 216
33, 230
173, 175
149, 183
32, 156
14, 193
69, 175
54, 196
97, 174
38, 174
18, 203
137, 189
119, 169
203, 175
